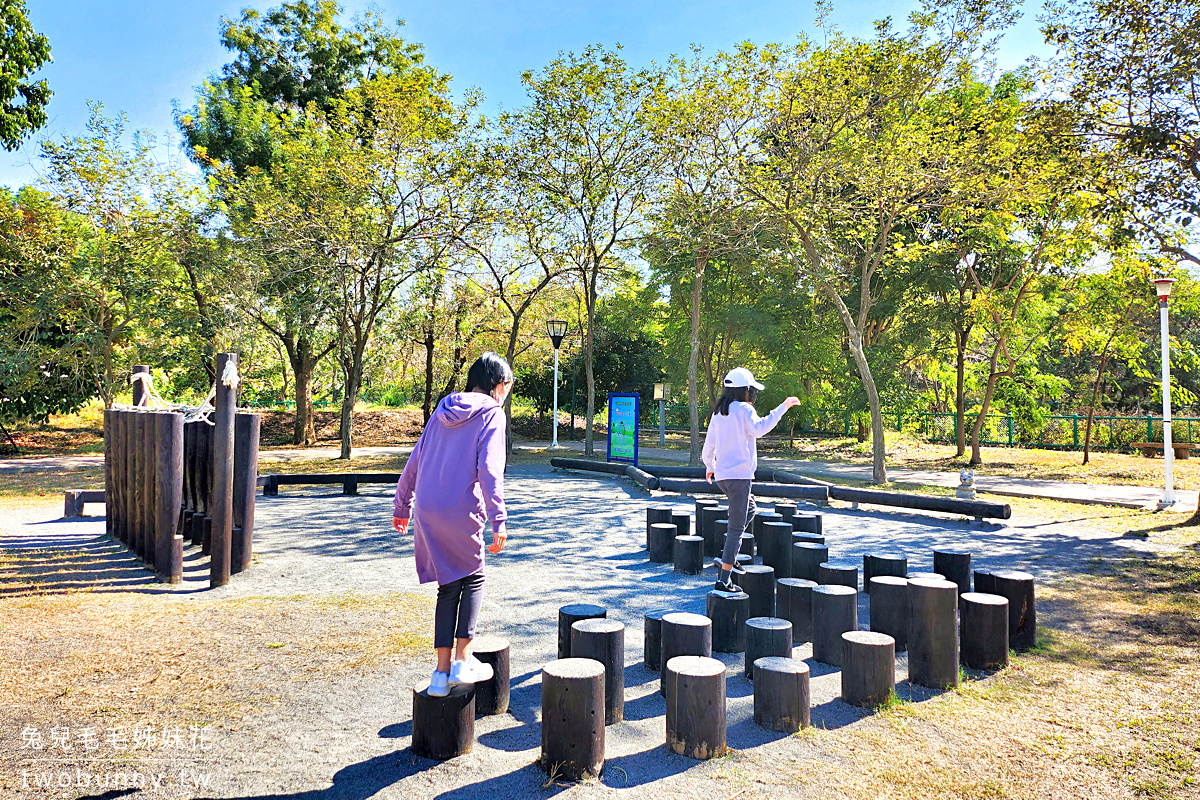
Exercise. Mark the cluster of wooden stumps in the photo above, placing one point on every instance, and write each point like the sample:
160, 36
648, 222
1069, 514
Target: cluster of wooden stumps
171, 482
935, 616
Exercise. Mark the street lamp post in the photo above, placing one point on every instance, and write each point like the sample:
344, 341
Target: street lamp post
1162, 285
556, 329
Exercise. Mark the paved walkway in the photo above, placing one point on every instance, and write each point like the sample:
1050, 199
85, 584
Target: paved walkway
1065, 491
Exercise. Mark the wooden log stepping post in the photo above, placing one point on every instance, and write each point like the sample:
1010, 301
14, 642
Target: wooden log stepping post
683, 634
168, 496
603, 640
766, 637
491, 696
443, 727
933, 633
786, 510
955, 565
221, 550
682, 522
835, 611
808, 522
568, 616
807, 559
868, 668
890, 608
775, 546
1017, 588
782, 700
882, 564
758, 581
746, 547
838, 573
810, 538
652, 638
728, 612
720, 529
761, 517
703, 521
984, 582
656, 514
983, 630
246, 427
793, 602
706, 520
926, 576
689, 555
695, 706
573, 718
662, 542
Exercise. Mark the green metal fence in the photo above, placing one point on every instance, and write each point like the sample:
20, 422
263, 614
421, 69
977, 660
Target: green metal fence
1055, 431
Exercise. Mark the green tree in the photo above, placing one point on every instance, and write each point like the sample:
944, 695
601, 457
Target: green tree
23, 51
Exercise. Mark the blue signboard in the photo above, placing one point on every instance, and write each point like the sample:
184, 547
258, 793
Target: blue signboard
623, 414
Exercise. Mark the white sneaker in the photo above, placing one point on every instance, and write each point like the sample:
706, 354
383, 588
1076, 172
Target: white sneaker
470, 670
439, 684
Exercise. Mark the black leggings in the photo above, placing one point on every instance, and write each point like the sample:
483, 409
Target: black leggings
457, 601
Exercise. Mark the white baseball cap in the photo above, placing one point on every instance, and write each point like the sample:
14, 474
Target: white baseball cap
739, 377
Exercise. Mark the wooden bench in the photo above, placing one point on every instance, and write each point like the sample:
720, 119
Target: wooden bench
349, 481
73, 500
1149, 449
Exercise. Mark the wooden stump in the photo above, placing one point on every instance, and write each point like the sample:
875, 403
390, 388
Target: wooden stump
955, 565
758, 581
728, 613
933, 633
682, 522
890, 608
782, 701
695, 706
807, 522
662, 542
491, 696
683, 634
1017, 588
835, 611
603, 640
838, 573
807, 559
652, 640
882, 564
573, 718
983, 630
704, 521
984, 582
786, 510
763, 516
810, 538
746, 547
868, 668
793, 602
245, 483
707, 519
689, 555
656, 514
443, 727
568, 616
775, 546
168, 497
926, 576
766, 637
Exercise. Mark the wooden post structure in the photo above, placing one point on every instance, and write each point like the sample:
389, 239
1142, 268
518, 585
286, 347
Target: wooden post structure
146, 459
655, 514
139, 387
168, 545
245, 484
573, 718
222, 489
109, 494
603, 640
695, 694
491, 697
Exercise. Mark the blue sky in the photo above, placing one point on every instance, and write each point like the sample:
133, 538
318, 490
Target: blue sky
138, 56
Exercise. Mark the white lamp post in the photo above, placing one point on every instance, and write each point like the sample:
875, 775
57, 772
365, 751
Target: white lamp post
556, 329
1162, 285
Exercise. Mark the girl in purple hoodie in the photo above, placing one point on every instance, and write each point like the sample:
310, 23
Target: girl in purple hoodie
451, 486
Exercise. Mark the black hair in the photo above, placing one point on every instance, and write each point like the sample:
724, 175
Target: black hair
733, 394
487, 371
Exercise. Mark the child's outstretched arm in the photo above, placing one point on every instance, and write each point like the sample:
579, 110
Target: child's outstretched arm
759, 427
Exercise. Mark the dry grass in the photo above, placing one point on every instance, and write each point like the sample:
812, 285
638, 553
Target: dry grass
1105, 707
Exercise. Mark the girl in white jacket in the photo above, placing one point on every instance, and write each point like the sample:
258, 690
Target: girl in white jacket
731, 456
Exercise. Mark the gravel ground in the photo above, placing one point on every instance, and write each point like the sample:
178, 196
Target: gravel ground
574, 538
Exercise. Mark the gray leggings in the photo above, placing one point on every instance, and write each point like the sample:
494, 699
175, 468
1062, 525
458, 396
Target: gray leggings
457, 601
741, 513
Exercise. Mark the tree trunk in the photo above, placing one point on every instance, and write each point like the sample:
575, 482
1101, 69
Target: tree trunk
701, 261
1087, 431
589, 439
304, 365
960, 420
354, 370
878, 446
977, 428
427, 405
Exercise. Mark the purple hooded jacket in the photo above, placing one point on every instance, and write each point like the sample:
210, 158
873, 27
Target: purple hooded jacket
452, 484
